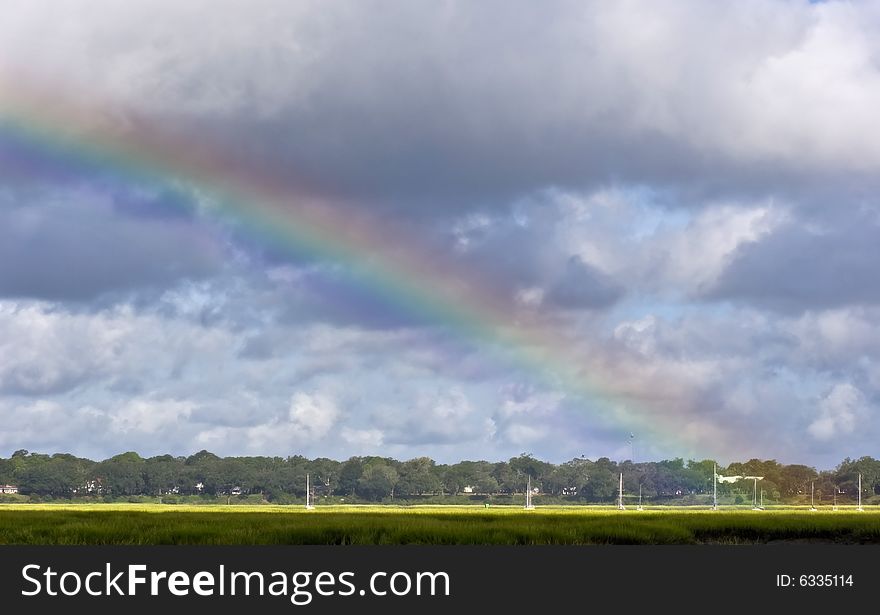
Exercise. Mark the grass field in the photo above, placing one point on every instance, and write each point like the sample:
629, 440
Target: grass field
120, 524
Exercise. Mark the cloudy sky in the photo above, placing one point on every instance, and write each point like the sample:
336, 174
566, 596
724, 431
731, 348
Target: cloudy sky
675, 201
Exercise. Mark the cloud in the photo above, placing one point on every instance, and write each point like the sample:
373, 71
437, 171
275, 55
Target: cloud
309, 419
525, 435
838, 412
43, 351
835, 339
682, 195
76, 245
150, 416
47, 349
312, 415
582, 287
363, 439
806, 264
525, 403
149, 425
571, 94
692, 258
531, 416
432, 419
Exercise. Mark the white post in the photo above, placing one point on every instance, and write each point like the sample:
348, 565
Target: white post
812, 498
640, 498
755, 497
529, 505
860, 509
714, 486
620, 505
309, 505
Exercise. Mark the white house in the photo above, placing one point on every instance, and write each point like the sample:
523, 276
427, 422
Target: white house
8, 489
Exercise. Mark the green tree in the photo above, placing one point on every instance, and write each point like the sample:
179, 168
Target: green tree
602, 484
122, 474
162, 474
325, 473
377, 481
795, 479
570, 477
349, 475
418, 477
508, 479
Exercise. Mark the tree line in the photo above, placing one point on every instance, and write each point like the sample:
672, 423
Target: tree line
372, 478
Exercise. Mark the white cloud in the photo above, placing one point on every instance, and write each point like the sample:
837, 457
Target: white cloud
469, 229
520, 434
531, 297
836, 336
839, 412
44, 350
639, 335
363, 439
693, 257
313, 415
150, 416
431, 419
531, 405
310, 419
639, 243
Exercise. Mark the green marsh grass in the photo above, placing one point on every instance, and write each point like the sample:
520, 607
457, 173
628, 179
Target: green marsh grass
152, 524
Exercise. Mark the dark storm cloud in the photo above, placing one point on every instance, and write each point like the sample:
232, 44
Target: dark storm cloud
583, 287
337, 295
71, 246
514, 254
820, 264
479, 109
422, 162
424, 108
160, 202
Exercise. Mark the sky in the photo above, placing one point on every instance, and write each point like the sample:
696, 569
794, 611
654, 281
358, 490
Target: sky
541, 228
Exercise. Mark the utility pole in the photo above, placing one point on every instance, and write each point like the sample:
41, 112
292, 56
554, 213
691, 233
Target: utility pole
714, 486
812, 493
620, 505
755, 498
529, 505
860, 509
309, 505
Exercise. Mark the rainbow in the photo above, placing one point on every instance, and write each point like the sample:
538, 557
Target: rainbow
386, 260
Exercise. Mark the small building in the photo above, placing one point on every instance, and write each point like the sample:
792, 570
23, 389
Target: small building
4, 489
